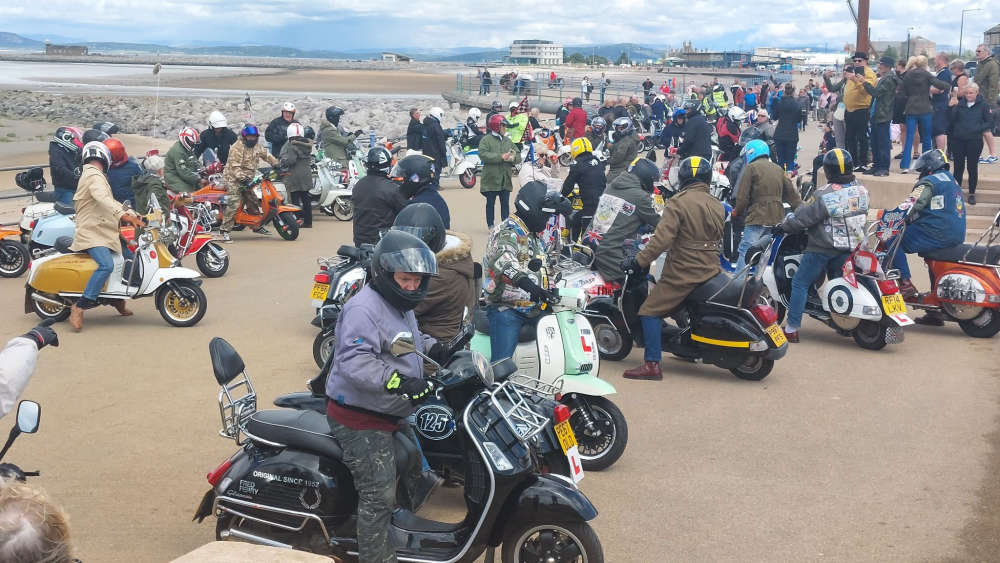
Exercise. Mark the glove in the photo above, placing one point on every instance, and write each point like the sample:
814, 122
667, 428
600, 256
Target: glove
43, 334
632, 267
414, 389
359, 132
439, 353
777, 230
536, 291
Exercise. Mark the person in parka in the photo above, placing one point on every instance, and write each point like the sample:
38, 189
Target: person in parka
334, 140
180, 169
296, 159
434, 142
496, 151
624, 147
149, 185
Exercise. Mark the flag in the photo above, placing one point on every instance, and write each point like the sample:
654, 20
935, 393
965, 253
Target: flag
528, 133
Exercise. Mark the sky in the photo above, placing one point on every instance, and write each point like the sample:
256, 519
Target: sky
368, 24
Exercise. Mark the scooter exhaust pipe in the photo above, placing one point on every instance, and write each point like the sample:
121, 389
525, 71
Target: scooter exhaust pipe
247, 536
50, 301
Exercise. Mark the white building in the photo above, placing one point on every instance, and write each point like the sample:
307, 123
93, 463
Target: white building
535, 52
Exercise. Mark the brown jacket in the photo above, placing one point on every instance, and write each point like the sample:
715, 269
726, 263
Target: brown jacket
690, 229
97, 212
763, 187
454, 289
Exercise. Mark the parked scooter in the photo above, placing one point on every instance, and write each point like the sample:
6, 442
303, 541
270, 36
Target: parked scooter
14, 256
33, 182
29, 413
331, 190
269, 206
339, 278
287, 486
190, 233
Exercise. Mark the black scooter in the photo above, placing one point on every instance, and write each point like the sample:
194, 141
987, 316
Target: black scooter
287, 486
29, 413
338, 279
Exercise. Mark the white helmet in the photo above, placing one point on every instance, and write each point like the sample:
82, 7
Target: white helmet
475, 114
288, 106
737, 114
98, 150
436, 113
295, 130
216, 120
512, 105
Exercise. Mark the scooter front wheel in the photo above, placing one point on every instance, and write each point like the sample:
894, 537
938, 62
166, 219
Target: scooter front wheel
600, 429
343, 208
14, 258
181, 303
542, 541
870, 335
566, 159
287, 225
467, 179
209, 262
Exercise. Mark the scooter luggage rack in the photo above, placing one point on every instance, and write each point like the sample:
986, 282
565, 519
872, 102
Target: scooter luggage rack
235, 412
535, 385
333, 262
515, 410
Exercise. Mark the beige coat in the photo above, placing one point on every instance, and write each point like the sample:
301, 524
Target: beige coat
97, 212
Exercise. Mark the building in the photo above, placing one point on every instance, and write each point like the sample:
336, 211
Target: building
918, 46
535, 52
764, 56
991, 37
716, 59
51, 49
394, 58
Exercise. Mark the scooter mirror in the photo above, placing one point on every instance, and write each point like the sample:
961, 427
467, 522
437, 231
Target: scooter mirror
402, 344
28, 415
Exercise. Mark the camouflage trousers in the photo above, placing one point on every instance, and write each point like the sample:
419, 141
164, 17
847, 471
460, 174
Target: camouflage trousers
236, 195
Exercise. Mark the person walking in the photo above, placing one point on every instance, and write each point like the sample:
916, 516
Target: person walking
917, 84
939, 102
970, 117
988, 76
857, 104
296, 159
498, 155
786, 133
884, 97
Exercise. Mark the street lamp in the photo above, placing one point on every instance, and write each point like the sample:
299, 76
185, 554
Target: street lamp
961, 28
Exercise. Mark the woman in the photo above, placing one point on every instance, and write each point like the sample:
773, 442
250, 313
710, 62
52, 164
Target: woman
917, 82
970, 116
498, 155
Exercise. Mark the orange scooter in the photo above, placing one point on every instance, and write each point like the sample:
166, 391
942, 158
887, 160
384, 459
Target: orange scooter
14, 256
269, 206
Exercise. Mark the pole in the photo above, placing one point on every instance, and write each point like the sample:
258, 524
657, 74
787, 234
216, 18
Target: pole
863, 44
961, 32
908, 44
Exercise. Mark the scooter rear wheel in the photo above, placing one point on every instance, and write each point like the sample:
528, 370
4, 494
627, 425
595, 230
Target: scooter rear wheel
47, 311
14, 258
467, 179
984, 325
612, 344
543, 541
754, 369
323, 346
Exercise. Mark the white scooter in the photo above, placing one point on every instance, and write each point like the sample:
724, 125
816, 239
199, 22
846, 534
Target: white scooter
331, 192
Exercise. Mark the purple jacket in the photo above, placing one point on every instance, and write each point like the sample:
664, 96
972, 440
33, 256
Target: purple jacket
362, 364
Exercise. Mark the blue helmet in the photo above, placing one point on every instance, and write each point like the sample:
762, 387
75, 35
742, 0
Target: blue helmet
679, 113
754, 150
249, 130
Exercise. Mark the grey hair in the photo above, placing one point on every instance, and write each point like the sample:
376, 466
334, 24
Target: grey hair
32, 528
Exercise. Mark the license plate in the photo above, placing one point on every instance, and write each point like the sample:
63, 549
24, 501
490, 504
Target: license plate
777, 335
567, 439
893, 304
319, 291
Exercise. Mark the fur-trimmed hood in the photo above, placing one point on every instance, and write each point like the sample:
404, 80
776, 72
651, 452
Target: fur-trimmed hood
457, 248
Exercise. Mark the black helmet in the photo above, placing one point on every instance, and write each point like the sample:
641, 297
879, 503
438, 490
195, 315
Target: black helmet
309, 133
399, 251
691, 107
378, 161
578, 102
838, 166
496, 106
91, 135
930, 162
646, 171
415, 171
535, 205
107, 127
423, 221
333, 114
694, 169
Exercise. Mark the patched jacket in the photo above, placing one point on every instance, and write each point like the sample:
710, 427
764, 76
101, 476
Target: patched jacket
835, 218
622, 209
508, 252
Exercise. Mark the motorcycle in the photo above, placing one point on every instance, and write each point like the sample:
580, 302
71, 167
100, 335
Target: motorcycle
268, 207
29, 414
57, 280
344, 274
287, 487
14, 255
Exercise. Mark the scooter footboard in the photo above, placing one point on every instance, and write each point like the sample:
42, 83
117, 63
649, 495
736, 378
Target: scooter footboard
551, 498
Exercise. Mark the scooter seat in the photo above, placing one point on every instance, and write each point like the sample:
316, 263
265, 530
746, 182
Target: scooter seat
730, 295
64, 208
46, 197
482, 323
965, 253
62, 245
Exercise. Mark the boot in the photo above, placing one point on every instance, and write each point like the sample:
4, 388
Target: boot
648, 370
931, 318
119, 306
76, 317
791, 336
907, 289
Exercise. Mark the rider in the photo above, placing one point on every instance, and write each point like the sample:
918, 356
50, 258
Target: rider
296, 159
514, 286
244, 158
17, 363
123, 170
377, 199
518, 124
218, 137
672, 127
370, 392
624, 146
835, 218
598, 130
625, 206
697, 134
936, 220
64, 161
276, 132
180, 169
689, 230
496, 108
728, 129
561, 114
97, 218
588, 173
150, 184
335, 140
475, 133
417, 175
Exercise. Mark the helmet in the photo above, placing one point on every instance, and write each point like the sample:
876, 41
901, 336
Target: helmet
754, 150
579, 146
437, 113
838, 166
117, 151
930, 162
309, 133
250, 130
534, 205
399, 251
496, 106
333, 114
70, 138
378, 161
475, 114
96, 150
288, 106
578, 102
679, 113
647, 172
416, 170
598, 125
496, 121
737, 114
91, 135
694, 169
424, 222
295, 130
216, 120
188, 137
623, 126
691, 106
107, 128
512, 105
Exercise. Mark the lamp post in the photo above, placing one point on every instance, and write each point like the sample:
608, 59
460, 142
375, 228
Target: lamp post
961, 28
908, 42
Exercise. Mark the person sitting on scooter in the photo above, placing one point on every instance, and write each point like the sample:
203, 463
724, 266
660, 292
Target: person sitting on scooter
123, 170
624, 146
690, 231
64, 161
218, 137
514, 286
149, 184
598, 132
672, 129
370, 392
335, 140
418, 185
624, 207
588, 173
377, 199
244, 157
97, 234
835, 219
475, 133
296, 159
936, 220
17, 362
182, 165
697, 134
728, 129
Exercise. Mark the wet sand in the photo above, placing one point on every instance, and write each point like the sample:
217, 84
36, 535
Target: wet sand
339, 81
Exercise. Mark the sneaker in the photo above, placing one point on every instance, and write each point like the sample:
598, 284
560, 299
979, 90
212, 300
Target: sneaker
972, 199
880, 173
988, 160
905, 171
860, 168
262, 230
224, 237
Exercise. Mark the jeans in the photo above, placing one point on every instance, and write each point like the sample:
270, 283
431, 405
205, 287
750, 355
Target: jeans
504, 327
813, 264
856, 123
491, 197
881, 146
65, 196
924, 121
966, 155
105, 263
652, 334
751, 234
915, 240
786, 153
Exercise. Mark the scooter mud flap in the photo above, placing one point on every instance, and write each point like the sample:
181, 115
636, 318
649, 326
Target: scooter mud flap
481, 343
894, 334
586, 384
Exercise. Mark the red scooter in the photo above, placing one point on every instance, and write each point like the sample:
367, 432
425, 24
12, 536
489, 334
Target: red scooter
190, 233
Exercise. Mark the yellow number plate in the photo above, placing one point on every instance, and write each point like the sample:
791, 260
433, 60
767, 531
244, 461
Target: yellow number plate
893, 304
776, 334
567, 439
319, 291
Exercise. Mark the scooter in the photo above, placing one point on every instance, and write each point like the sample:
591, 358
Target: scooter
29, 413
14, 255
332, 191
339, 278
287, 487
269, 206
33, 182
190, 233
56, 281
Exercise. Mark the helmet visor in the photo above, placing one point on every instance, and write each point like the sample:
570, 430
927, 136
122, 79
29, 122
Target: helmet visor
410, 260
422, 233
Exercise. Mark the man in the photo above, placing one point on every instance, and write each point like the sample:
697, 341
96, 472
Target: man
498, 155
598, 132
605, 82
576, 121
414, 132
939, 102
835, 219
883, 99
276, 130
244, 158
763, 187
624, 147
696, 134
496, 108
335, 140
624, 207
377, 199
17, 363
64, 156
561, 114
150, 185
123, 170
587, 173
370, 392
689, 231
720, 99
518, 125
218, 137
181, 166
487, 81
857, 102
32, 527
788, 113
97, 218
418, 185
514, 286
434, 142
647, 85
659, 108
728, 130
988, 78
936, 217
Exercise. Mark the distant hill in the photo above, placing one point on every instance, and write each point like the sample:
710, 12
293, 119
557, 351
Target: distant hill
15, 41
